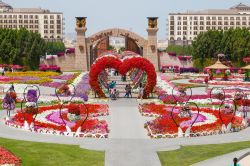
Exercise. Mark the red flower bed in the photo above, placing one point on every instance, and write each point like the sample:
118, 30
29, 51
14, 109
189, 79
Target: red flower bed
93, 111
7, 158
165, 125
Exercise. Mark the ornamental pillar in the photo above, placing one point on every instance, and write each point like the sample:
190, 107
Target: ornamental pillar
152, 53
81, 56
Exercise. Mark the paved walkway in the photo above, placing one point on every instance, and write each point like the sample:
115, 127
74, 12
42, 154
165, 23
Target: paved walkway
224, 160
128, 143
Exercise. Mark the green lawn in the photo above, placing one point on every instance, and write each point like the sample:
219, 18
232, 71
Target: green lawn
40, 154
188, 155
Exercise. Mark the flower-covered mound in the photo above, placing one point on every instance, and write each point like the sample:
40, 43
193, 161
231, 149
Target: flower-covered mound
207, 123
49, 120
7, 158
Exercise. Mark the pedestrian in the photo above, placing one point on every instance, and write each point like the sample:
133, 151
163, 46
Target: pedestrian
129, 91
140, 94
126, 91
235, 160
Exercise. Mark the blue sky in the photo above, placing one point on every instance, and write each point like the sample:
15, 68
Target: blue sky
128, 14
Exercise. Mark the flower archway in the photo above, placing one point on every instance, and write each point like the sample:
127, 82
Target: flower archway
123, 67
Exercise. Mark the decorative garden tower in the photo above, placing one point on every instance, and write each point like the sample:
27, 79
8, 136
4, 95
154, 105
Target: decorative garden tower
152, 30
81, 59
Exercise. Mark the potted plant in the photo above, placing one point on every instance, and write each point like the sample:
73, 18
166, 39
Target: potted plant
74, 112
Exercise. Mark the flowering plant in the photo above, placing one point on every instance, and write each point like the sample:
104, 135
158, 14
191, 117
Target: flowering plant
74, 109
9, 101
32, 95
64, 90
7, 158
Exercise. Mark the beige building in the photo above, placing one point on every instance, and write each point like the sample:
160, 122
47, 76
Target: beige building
184, 27
49, 24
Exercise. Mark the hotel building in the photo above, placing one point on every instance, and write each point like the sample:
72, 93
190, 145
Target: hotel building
49, 24
184, 27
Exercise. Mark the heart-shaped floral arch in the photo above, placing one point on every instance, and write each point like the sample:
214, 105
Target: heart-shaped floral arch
123, 67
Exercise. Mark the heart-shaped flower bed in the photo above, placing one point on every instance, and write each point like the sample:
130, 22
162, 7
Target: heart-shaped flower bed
123, 67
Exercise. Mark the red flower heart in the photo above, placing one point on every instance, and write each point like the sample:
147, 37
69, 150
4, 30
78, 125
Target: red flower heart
123, 67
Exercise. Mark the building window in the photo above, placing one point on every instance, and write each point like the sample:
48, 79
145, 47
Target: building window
244, 23
25, 21
51, 22
201, 18
51, 31
185, 23
184, 18
171, 27
36, 16
213, 18
237, 23
20, 16
45, 31
208, 22
225, 18
214, 23
219, 18
195, 18
171, 32
31, 16
225, 23
45, 17
45, 21
231, 23
179, 27
219, 23
178, 33
231, 18
179, 18
21, 21
36, 26
52, 26
244, 18
201, 23
195, 28
31, 21
196, 23
201, 28
45, 26
36, 21
225, 28
184, 32
185, 28
25, 16
59, 22
195, 33
58, 31
208, 28
51, 17
208, 18
171, 17
179, 23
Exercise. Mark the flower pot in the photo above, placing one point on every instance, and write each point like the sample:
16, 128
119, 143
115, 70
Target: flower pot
73, 117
